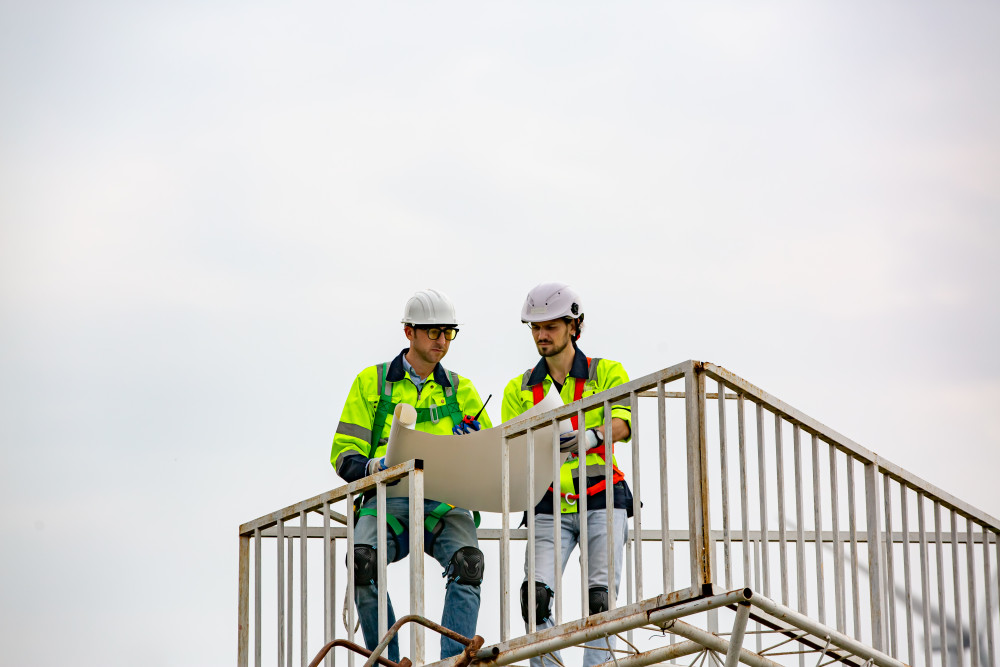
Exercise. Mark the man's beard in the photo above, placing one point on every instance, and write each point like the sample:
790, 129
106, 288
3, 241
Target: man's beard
554, 351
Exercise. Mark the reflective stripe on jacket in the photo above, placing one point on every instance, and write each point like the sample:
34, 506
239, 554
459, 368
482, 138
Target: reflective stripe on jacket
353, 438
602, 374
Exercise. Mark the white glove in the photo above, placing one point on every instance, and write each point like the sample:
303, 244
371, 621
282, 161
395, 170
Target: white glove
592, 438
376, 465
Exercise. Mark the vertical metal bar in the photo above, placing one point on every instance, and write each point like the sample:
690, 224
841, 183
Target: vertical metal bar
281, 592
838, 547
349, 597
416, 495
630, 546
332, 661
942, 628
724, 482
381, 553
908, 592
818, 523
744, 502
637, 506
609, 505
556, 523
736, 638
530, 451
504, 538
988, 580
243, 631
327, 578
890, 571
290, 609
762, 485
782, 555
959, 626
925, 588
303, 599
665, 545
257, 576
956, 584
970, 563
757, 584
800, 544
873, 528
698, 497
581, 507
852, 525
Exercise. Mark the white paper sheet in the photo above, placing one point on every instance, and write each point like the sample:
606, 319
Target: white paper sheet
464, 470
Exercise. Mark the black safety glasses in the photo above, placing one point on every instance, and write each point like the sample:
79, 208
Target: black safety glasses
435, 332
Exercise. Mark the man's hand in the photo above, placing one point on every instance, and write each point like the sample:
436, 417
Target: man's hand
592, 438
466, 426
376, 465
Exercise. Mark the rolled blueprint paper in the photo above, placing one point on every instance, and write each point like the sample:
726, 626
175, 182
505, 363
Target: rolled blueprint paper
465, 470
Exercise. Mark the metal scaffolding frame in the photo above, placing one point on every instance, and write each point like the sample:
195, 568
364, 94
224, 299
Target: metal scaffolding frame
800, 536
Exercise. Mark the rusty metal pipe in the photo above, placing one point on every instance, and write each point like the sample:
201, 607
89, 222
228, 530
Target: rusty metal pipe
405, 662
414, 618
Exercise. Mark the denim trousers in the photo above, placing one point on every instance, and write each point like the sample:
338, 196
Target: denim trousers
597, 566
461, 601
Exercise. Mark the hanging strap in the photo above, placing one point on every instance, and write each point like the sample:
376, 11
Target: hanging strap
382, 410
397, 527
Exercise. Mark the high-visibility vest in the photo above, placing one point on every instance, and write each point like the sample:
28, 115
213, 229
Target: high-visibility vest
566, 473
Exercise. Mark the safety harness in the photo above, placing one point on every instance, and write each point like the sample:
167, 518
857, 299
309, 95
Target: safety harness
538, 394
431, 414
432, 522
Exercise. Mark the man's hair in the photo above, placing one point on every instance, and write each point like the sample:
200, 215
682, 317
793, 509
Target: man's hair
578, 321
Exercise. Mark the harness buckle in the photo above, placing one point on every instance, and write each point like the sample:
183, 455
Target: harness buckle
434, 413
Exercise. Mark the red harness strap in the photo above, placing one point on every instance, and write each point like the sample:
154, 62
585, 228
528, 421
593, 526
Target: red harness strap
538, 394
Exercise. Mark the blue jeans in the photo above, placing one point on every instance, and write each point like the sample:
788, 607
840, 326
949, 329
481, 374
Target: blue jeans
597, 566
461, 601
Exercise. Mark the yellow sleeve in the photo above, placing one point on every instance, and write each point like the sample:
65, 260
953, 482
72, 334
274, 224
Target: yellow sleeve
354, 431
513, 400
612, 374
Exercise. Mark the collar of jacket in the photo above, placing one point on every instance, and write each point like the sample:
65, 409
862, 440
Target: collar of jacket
397, 373
579, 368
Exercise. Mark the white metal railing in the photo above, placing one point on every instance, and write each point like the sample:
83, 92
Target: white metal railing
791, 514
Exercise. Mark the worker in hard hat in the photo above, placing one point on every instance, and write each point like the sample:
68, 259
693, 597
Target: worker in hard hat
554, 313
442, 399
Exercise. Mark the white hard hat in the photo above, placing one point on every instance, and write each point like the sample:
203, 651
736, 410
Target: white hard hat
429, 306
551, 301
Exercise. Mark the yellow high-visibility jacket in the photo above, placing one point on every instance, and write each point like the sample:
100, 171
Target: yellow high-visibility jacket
597, 376
353, 444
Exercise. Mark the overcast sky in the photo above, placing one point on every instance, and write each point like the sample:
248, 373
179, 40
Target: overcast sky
212, 213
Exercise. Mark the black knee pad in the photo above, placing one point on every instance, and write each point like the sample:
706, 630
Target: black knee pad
365, 564
467, 566
598, 600
543, 600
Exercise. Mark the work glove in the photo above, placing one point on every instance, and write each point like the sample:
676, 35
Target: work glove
376, 465
467, 425
592, 438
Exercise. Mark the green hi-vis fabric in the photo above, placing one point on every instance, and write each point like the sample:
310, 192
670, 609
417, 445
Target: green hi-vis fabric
603, 374
358, 432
